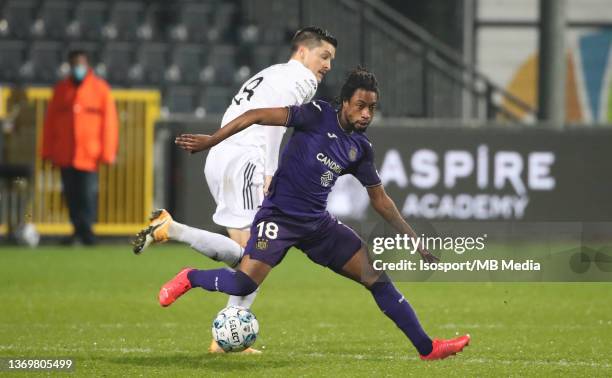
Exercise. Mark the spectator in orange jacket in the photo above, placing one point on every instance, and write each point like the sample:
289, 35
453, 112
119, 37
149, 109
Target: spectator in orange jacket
80, 131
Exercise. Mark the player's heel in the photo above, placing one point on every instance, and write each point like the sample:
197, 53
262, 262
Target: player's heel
155, 232
143, 240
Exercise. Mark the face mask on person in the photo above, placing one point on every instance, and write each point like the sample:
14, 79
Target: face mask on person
78, 72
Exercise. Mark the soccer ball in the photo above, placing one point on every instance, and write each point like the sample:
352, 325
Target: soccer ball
235, 328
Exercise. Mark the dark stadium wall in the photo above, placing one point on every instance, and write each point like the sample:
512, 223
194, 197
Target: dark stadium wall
442, 18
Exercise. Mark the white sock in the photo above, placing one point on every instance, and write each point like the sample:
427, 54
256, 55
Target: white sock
245, 301
215, 246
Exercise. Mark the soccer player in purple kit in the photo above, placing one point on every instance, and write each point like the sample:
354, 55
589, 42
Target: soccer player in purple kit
326, 144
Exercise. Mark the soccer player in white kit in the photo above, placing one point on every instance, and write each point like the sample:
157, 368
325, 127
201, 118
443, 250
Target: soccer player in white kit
239, 170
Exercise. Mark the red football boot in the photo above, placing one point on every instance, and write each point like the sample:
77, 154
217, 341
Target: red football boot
174, 288
445, 348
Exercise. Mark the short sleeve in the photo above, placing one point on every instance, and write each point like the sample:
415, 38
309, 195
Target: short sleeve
365, 171
305, 116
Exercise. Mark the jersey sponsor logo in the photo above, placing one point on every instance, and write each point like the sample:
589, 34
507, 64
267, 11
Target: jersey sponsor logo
332, 135
317, 106
329, 163
327, 178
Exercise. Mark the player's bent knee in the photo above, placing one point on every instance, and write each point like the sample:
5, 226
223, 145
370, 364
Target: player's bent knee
244, 284
359, 268
381, 280
370, 277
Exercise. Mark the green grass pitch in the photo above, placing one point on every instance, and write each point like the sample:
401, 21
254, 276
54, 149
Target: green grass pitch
99, 307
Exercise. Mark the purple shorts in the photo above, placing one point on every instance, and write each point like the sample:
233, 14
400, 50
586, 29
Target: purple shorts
325, 240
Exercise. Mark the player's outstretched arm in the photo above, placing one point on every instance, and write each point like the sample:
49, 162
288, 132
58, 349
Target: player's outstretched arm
265, 116
384, 205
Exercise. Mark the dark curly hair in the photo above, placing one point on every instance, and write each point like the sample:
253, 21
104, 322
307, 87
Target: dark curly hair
358, 78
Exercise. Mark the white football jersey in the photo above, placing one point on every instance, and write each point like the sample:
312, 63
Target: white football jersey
279, 85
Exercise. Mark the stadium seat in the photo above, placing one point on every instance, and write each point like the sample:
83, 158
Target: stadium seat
264, 56
19, 16
242, 74
149, 26
116, 62
45, 58
53, 17
11, 60
223, 23
193, 23
271, 35
243, 57
188, 60
91, 48
179, 99
124, 20
152, 57
90, 19
215, 99
278, 14
161, 19
249, 35
222, 59
282, 55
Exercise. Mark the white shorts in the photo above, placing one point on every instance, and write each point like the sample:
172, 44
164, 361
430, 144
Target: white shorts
235, 176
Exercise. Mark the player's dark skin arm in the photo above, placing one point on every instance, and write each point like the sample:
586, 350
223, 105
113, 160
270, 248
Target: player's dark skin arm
384, 205
265, 116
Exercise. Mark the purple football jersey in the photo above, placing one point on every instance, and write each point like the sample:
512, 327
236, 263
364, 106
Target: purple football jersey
318, 152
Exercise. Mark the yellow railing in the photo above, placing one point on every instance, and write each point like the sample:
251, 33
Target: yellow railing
125, 188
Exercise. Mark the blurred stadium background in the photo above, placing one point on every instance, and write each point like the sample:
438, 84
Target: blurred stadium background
462, 145
454, 76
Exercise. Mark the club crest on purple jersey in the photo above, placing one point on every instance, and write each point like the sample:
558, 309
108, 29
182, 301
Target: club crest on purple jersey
261, 244
353, 153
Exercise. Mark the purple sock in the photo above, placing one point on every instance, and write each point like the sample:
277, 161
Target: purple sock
396, 307
232, 282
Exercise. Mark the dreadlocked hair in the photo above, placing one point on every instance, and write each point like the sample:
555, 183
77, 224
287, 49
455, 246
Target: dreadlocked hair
358, 78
